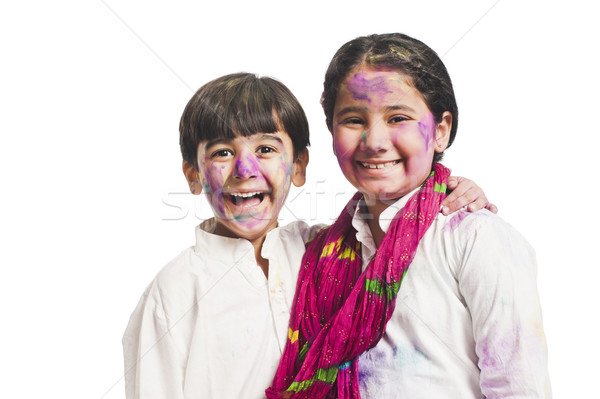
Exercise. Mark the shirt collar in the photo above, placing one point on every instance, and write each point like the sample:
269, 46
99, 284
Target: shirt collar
361, 215
230, 250
363, 231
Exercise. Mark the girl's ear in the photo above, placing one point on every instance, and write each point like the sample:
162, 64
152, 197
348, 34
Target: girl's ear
191, 175
442, 132
299, 169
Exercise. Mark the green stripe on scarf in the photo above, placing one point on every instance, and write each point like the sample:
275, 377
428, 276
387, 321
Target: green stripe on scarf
325, 375
378, 288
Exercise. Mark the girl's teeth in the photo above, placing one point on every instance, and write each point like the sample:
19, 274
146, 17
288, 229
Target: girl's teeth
378, 165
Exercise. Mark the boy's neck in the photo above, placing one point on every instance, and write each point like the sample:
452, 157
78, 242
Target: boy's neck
257, 243
262, 262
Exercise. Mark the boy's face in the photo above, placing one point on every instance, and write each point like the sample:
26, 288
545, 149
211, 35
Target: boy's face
384, 135
246, 181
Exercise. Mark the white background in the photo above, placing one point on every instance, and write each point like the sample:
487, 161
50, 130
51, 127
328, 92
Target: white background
93, 200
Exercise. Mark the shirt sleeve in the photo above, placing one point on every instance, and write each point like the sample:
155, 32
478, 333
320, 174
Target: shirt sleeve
154, 366
497, 279
309, 231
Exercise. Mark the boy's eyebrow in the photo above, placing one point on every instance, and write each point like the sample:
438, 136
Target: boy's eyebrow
270, 136
258, 136
218, 140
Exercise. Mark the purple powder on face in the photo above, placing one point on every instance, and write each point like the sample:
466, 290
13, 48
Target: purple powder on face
426, 128
246, 166
361, 88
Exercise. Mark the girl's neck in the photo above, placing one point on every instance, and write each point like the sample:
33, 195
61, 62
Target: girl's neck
374, 209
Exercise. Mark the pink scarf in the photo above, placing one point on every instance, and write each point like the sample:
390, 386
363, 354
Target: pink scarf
340, 312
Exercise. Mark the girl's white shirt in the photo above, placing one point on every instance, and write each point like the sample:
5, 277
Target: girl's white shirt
467, 322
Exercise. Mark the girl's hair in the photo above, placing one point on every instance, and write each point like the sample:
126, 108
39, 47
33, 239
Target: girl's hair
401, 53
241, 104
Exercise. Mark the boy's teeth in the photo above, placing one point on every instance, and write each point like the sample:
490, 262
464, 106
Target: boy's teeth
247, 199
246, 195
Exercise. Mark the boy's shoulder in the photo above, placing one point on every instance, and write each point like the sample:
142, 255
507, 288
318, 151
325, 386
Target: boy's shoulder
300, 229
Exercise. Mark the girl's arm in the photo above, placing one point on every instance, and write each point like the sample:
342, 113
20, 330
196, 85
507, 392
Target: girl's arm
465, 193
497, 279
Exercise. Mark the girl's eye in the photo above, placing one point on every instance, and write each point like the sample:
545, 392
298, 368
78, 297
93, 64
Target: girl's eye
352, 121
398, 119
221, 153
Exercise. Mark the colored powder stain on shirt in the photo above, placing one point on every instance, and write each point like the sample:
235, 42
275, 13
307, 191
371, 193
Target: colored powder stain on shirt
457, 218
409, 356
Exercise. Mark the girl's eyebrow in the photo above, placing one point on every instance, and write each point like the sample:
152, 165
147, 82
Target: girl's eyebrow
354, 108
346, 110
400, 107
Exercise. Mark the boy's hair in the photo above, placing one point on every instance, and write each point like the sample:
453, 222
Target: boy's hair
241, 104
403, 54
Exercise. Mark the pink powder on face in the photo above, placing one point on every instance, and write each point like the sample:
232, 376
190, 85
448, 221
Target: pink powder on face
361, 87
246, 167
213, 185
426, 129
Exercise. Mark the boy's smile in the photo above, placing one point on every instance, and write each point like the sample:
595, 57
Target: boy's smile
246, 181
384, 135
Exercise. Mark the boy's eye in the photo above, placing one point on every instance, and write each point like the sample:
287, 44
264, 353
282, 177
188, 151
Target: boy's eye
265, 149
221, 153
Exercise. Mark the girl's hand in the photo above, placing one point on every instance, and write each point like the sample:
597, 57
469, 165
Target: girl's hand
465, 193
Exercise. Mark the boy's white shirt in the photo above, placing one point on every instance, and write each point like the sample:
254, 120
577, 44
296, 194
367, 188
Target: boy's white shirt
211, 325
467, 322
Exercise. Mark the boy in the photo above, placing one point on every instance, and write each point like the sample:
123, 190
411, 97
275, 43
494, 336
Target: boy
214, 321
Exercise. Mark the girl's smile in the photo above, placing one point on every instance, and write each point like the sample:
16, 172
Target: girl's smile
384, 135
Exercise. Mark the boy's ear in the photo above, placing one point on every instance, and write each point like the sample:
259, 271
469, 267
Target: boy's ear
299, 170
191, 175
442, 132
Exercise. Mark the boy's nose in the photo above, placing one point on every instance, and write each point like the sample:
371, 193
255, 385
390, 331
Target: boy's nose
246, 167
376, 139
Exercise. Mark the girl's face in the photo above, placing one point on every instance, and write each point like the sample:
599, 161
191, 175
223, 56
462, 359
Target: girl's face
384, 135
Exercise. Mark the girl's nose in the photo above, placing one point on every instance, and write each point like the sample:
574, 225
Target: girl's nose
375, 139
246, 167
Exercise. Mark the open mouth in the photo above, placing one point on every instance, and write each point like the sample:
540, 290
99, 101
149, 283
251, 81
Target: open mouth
246, 199
378, 165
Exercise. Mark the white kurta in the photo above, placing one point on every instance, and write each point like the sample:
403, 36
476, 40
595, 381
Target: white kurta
467, 322
211, 325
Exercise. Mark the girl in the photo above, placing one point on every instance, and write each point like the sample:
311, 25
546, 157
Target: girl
396, 299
